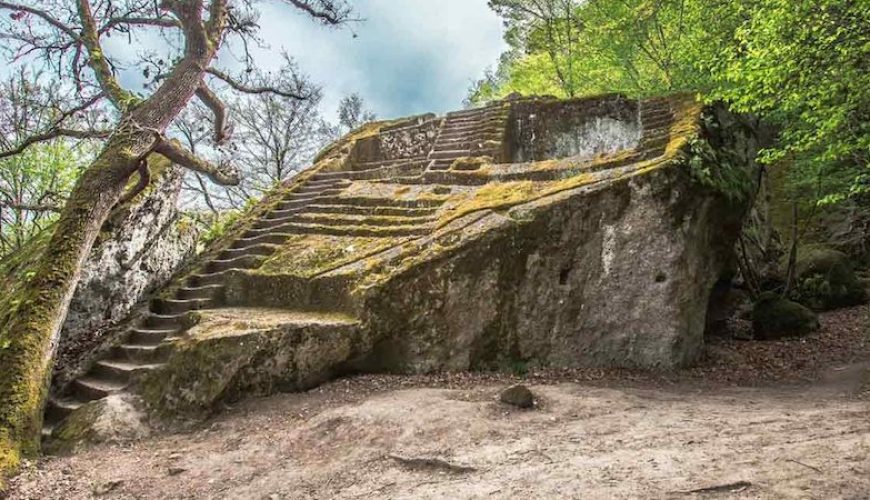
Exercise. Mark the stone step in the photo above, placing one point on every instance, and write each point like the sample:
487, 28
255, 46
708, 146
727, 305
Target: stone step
178, 306
57, 409
326, 183
361, 231
256, 250
146, 336
361, 201
486, 116
375, 210
243, 262
295, 196
276, 238
205, 279
473, 112
142, 353
450, 154
371, 165
90, 388
362, 220
374, 173
652, 114
493, 126
121, 371
200, 292
163, 321
287, 205
657, 122
657, 142
483, 135
318, 186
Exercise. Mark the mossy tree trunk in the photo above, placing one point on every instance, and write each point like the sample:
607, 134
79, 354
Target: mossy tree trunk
29, 334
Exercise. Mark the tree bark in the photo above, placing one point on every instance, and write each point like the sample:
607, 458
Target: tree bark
29, 334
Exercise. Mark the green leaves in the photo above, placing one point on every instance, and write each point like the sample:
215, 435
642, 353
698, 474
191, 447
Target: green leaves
803, 66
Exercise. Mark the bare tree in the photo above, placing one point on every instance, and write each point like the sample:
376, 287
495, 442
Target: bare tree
67, 36
273, 139
352, 113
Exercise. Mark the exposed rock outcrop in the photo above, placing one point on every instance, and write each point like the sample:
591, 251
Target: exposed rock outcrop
139, 249
535, 231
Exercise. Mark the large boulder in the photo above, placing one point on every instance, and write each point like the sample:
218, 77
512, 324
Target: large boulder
114, 419
825, 279
774, 317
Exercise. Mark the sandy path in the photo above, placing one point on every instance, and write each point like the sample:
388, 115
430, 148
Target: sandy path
582, 442
784, 420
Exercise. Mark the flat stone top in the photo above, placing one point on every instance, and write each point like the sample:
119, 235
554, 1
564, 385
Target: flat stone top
242, 320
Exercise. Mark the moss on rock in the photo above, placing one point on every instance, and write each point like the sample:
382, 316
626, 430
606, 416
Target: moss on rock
774, 317
826, 279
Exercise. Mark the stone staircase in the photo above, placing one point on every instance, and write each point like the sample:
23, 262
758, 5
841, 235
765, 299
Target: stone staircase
358, 200
471, 133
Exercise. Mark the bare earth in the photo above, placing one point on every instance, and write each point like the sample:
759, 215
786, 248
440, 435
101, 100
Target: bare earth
773, 420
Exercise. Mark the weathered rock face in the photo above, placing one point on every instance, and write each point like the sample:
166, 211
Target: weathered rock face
141, 246
549, 233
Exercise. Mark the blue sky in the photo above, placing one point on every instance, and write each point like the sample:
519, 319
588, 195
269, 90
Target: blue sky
409, 56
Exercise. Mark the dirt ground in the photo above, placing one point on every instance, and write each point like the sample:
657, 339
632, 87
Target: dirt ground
754, 420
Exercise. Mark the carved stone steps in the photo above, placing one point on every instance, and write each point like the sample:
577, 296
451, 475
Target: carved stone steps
243, 262
121, 371
362, 220
276, 238
163, 321
371, 165
205, 279
178, 306
373, 173
57, 409
473, 128
256, 250
657, 122
319, 187
362, 231
371, 210
145, 336
90, 388
450, 154
200, 292
142, 353
468, 113
297, 196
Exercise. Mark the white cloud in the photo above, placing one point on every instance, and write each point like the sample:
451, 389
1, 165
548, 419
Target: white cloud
409, 56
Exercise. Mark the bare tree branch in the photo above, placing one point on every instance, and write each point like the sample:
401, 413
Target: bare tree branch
219, 174
54, 134
236, 85
331, 12
214, 104
45, 16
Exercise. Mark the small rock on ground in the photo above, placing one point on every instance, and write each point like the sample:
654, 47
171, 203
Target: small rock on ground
519, 396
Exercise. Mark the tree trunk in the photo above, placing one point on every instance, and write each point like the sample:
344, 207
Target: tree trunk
29, 333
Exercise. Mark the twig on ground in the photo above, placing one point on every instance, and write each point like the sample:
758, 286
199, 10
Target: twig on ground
722, 488
805, 465
430, 464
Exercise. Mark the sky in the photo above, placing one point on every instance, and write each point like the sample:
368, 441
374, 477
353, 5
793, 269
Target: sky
408, 56
405, 57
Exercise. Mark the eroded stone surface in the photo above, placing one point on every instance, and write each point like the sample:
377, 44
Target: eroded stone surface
531, 232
